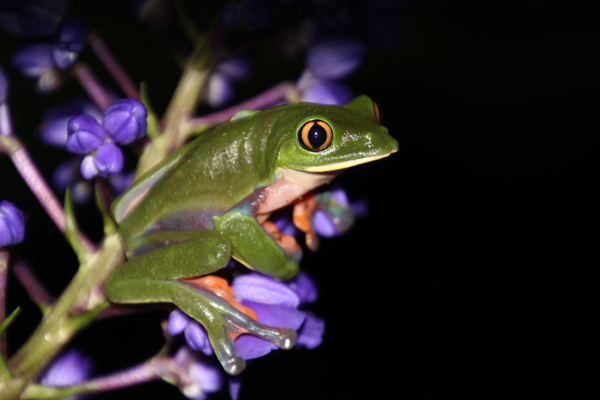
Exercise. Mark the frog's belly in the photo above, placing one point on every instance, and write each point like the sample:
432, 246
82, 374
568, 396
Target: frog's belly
190, 220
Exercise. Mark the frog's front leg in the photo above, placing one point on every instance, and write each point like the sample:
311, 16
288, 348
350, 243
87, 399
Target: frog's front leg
255, 248
159, 276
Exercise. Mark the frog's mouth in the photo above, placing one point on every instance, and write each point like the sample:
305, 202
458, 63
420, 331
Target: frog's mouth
335, 166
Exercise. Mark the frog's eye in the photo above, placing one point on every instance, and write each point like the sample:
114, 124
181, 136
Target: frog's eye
315, 135
378, 113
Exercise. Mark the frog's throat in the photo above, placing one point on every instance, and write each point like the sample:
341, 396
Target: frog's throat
289, 185
339, 165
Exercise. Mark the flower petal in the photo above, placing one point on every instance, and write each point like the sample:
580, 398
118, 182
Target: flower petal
262, 289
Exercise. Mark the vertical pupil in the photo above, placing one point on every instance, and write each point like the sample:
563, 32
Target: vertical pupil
317, 136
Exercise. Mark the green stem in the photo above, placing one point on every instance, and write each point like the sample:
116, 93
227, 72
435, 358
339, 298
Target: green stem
58, 326
180, 110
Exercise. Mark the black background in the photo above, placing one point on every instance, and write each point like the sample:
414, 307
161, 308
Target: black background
474, 274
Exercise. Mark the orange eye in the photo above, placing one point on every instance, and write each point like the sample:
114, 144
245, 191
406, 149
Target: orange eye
378, 115
315, 135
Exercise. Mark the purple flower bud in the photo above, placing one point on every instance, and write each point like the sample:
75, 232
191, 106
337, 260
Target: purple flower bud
32, 17
67, 369
71, 37
53, 130
84, 134
324, 225
125, 120
235, 384
207, 375
259, 288
339, 195
304, 287
3, 86
197, 338
310, 334
178, 321
220, 90
108, 159
88, 169
250, 347
33, 60
12, 224
326, 92
335, 58
235, 68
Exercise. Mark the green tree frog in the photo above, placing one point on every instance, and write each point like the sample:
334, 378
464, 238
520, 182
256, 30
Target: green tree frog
203, 205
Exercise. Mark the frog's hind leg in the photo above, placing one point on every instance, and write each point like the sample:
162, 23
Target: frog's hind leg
158, 276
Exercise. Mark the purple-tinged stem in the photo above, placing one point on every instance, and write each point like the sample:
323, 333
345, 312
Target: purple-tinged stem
32, 285
133, 376
11, 145
3, 273
113, 66
5, 124
283, 90
90, 84
156, 368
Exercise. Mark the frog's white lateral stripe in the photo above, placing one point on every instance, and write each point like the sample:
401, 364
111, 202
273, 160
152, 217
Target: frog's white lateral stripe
339, 165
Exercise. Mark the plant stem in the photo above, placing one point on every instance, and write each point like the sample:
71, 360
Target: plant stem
178, 112
90, 84
283, 90
10, 145
34, 288
58, 326
113, 66
3, 274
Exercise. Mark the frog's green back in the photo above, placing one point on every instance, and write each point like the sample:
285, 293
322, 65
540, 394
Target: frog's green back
206, 177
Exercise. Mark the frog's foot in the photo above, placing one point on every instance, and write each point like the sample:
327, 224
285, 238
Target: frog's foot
286, 242
225, 319
339, 216
304, 209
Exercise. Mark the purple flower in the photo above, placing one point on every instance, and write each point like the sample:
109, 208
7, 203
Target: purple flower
220, 83
53, 130
206, 375
3, 86
335, 59
84, 134
125, 120
33, 60
235, 68
12, 224
220, 90
326, 92
32, 17
108, 159
275, 304
69, 41
195, 334
68, 369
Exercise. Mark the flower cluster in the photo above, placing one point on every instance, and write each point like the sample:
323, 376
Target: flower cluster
327, 63
122, 123
41, 60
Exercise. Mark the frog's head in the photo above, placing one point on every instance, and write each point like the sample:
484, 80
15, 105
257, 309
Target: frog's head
324, 138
